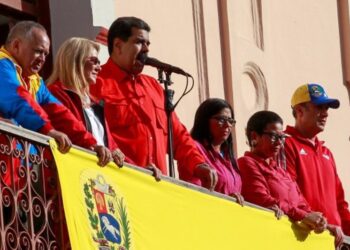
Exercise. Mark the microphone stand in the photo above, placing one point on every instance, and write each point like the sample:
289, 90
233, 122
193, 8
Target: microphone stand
168, 94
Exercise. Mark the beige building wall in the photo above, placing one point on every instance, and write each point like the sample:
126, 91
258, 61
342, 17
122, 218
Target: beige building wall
275, 45
301, 44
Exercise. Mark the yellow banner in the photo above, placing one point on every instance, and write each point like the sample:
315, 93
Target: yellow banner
125, 209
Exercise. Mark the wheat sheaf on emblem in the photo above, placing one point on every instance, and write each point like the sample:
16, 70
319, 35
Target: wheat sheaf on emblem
108, 216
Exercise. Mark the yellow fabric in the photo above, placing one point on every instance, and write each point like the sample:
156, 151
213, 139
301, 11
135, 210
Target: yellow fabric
34, 85
301, 95
165, 216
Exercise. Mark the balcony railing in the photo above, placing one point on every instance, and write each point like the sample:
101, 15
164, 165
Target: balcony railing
31, 211
31, 215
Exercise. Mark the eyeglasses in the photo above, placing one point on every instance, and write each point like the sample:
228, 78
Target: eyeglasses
274, 137
94, 60
222, 120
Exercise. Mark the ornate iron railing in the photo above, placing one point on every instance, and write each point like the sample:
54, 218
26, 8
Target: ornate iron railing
31, 211
31, 215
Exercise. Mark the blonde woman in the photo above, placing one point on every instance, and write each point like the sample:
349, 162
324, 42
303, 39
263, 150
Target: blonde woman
76, 67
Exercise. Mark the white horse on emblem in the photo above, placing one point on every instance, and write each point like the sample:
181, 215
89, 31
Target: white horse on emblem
108, 227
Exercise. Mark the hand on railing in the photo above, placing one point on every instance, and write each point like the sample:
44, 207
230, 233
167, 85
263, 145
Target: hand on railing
103, 154
207, 175
64, 143
118, 157
156, 171
278, 212
338, 234
239, 198
315, 221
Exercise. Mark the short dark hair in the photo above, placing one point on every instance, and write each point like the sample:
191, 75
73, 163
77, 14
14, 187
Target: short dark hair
258, 122
201, 130
122, 28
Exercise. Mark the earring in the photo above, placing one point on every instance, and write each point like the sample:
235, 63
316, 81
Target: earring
253, 143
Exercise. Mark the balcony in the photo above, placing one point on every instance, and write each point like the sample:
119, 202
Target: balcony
31, 208
31, 214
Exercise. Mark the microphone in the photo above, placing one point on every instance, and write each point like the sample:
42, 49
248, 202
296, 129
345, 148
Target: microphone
160, 65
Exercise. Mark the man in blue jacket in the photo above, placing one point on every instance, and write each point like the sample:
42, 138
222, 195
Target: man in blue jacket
24, 97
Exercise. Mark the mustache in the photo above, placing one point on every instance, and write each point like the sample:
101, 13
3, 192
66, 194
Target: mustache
142, 56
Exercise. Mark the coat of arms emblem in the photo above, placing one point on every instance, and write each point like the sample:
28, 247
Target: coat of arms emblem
107, 215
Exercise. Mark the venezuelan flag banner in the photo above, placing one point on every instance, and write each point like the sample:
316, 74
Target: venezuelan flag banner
125, 209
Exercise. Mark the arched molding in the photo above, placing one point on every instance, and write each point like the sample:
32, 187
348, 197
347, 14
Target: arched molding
253, 71
257, 23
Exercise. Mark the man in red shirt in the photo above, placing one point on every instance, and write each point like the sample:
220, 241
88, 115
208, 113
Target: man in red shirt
134, 105
310, 163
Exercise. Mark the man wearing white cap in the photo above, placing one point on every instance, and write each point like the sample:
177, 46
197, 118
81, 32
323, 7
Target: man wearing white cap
310, 163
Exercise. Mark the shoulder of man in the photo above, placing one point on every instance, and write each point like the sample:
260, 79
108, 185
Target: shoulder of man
326, 152
7, 65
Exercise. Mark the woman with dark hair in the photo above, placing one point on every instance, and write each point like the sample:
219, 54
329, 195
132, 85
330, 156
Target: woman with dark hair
212, 133
265, 180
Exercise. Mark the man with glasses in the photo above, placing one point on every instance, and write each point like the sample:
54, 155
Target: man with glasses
310, 163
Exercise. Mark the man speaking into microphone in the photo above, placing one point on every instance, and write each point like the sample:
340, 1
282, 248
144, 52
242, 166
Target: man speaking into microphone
134, 105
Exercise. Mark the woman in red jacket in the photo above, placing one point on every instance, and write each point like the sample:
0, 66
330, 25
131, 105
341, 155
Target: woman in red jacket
75, 68
265, 180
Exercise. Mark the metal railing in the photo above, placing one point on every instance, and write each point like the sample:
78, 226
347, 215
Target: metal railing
31, 214
31, 211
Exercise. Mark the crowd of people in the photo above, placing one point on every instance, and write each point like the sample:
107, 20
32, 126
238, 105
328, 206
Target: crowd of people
119, 113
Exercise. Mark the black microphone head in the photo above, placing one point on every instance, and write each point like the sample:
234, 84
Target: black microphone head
142, 57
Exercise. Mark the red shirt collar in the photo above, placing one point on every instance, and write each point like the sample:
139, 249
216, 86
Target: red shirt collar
269, 163
296, 134
119, 74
